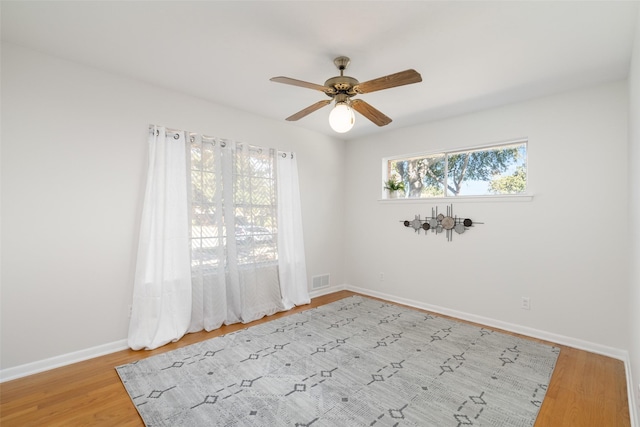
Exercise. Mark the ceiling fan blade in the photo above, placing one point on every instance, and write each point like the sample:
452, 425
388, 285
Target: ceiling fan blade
310, 109
402, 78
370, 113
294, 82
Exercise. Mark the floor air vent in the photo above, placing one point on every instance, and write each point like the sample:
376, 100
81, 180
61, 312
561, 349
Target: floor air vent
321, 281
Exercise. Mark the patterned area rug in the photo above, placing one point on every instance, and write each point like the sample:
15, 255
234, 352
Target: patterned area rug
354, 362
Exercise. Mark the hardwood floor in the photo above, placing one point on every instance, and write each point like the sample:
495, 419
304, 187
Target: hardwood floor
586, 389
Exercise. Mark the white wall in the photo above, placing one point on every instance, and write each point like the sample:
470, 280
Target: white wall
73, 174
566, 249
634, 215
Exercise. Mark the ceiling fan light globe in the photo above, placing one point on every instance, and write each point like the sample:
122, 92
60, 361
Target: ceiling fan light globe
342, 118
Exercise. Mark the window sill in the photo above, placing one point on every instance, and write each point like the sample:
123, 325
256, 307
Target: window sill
463, 199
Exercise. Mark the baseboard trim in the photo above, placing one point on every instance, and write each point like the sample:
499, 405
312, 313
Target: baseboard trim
62, 360
511, 327
326, 291
631, 394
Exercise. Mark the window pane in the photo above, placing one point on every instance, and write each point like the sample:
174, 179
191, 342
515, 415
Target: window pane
422, 176
204, 252
255, 207
501, 169
261, 165
196, 157
254, 199
496, 170
208, 161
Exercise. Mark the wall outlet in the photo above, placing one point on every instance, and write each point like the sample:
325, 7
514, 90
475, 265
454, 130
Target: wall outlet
130, 310
526, 303
381, 277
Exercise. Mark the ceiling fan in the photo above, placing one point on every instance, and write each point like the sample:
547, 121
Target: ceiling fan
342, 88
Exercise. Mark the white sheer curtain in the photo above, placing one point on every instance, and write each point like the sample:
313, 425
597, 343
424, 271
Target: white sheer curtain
291, 259
162, 288
221, 239
234, 233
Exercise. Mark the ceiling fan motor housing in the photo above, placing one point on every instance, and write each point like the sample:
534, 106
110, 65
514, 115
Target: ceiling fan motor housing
342, 84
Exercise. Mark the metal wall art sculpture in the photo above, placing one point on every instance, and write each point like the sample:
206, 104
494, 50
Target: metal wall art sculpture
439, 223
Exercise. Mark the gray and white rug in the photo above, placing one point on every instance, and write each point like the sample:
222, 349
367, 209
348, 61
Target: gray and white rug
354, 362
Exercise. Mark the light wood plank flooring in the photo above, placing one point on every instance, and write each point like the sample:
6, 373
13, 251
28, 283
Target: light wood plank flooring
586, 389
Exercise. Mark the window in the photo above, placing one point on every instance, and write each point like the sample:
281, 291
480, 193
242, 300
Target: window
255, 203
250, 205
494, 170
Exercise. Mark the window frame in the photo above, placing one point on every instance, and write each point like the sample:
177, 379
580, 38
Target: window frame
526, 195
248, 242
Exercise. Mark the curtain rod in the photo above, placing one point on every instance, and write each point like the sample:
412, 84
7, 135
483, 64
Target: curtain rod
223, 142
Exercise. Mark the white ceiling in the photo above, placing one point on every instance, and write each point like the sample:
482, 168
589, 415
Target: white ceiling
471, 55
